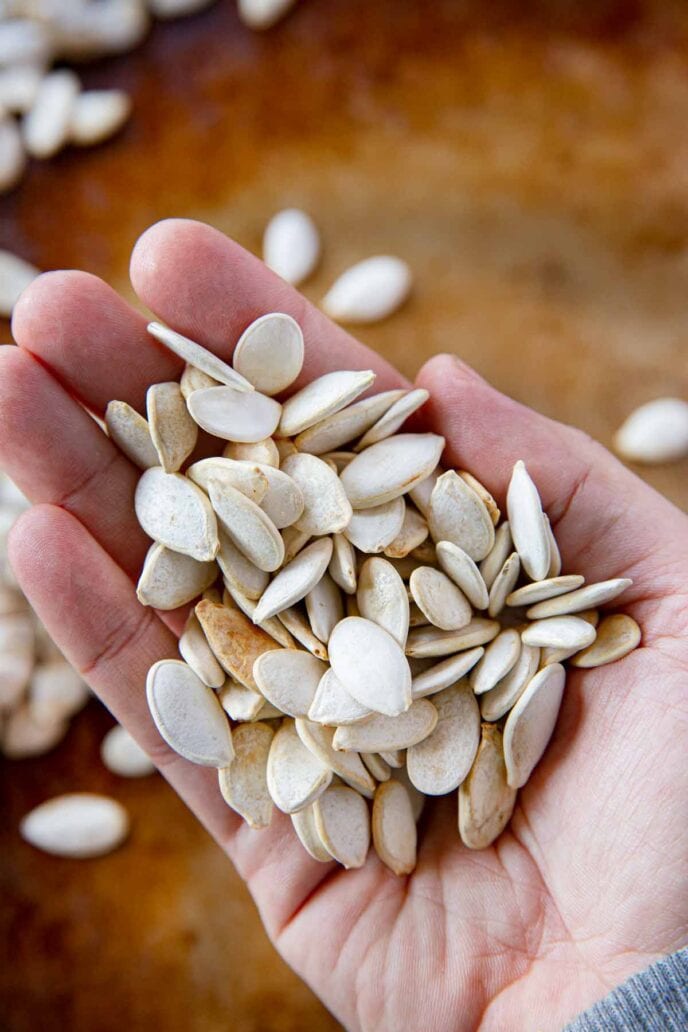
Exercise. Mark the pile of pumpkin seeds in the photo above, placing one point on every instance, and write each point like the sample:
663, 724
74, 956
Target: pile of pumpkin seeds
370, 629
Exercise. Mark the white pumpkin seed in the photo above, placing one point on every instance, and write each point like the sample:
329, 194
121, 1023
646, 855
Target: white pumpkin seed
234, 415
371, 530
554, 554
430, 641
395, 758
326, 507
377, 766
486, 801
617, 635
244, 784
390, 468
46, 127
530, 723
12, 165
369, 291
421, 493
499, 553
333, 705
188, 715
97, 115
176, 513
562, 632
199, 357
18, 87
458, 565
580, 599
291, 243
15, 274
347, 424
269, 353
528, 530
343, 824
555, 655
23, 40
655, 432
483, 494
285, 447
248, 606
296, 778
22, 736
196, 652
257, 453
172, 429
247, 526
458, 515
413, 532
393, 418
321, 398
342, 567
131, 434
324, 607
283, 502
295, 580
78, 825
538, 591
170, 579
240, 475
394, 828
382, 598
416, 798
499, 700
57, 692
439, 763
500, 657
448, 672
239, 572
439, 599
297, 624
348, 766
304, 825
372, 667
380, 733
235, 641
239, 702
122, 755
294, 540
503, 584
289, 678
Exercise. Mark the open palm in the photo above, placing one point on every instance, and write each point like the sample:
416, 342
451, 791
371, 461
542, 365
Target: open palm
589, 884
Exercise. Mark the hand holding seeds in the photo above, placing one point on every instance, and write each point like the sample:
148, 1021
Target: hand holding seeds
408, 645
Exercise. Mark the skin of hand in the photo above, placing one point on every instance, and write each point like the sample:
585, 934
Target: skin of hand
589, 884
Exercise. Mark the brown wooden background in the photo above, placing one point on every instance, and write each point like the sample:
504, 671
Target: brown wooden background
531, 161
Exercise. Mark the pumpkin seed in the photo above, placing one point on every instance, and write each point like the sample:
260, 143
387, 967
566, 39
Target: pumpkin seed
46, 127
289, 678
343, 825
240, 702
12, 165
56, 692
503, 584
413, 532
483, 494
342, 567
382, 598
199, 357
421, 493
188, 715
195, 380
439, 599
78, 825
369, 291
393, 418
416, 798
458, 515
395, 758
655, 432
394, 828
297, 624
390, 468
235, 641
348, 766
324, 607
295, 580
240, 475
558, 655
131, 434
333, 705
554, 554
448, 672
430, 641
380, 733
538, 591
372, 667
248, 527
170, 579
291, 243
580, 599
528, 530
97, 115
486, 801
500, 657
371, 530
122, 755
22, 736
304, 825
326, 508
258, 453
238, 571
499, 553
244, 784
176, 513
294, 540
458, 565
233, 414
196, 652
321, 398
562, 632
439, 763
347, 424
295, 777
18, 87
530, 723
248, 606
269, 353
617, 635
498, 700
172, 429
377, 766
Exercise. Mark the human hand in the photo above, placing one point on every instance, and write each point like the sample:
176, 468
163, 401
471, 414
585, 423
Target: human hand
589, 883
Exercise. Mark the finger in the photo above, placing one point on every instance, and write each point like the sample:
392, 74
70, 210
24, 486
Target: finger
89, 608
209, 288
56, 453
608, 522
94, 342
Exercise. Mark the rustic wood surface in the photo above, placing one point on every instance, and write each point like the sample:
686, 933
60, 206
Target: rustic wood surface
531, 162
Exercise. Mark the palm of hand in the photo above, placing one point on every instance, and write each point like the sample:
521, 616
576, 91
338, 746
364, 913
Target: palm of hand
570, 901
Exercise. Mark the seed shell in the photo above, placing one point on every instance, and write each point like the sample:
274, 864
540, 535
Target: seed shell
259, 453
561, 632
430, 641
413, 532
617, 635
291, 242
369, 291
458, 565
297, 624
459, 515
239, 573
390, 468
235, 415
176, 513
448, 672
240, 475
196, 652
131, 434
372, 667
394, 827
199, 357
244, 784
188, 715
304, 825
333, 705
326, 508
503, 584
381, 733
289, 678
348, 766
538, 591
342, 567
322, 397
269, 353
78, 825
170, 579
393, 418
235, 641
499, 553
580, 599
530, 723
248, 527
486, 801
172, 429
439, 599
438, 764
499, 700
343, 824
347, 424
382, 598
528, 529
325, 607
295, 580
371, 530
500, 657
122, 755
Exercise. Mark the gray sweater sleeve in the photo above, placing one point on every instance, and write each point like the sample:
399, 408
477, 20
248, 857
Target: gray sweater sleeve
656, 1000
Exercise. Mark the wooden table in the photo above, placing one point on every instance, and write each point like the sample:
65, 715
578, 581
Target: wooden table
531, 162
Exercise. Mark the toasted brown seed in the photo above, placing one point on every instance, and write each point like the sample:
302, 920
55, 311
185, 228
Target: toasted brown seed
244, 784
235, 641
